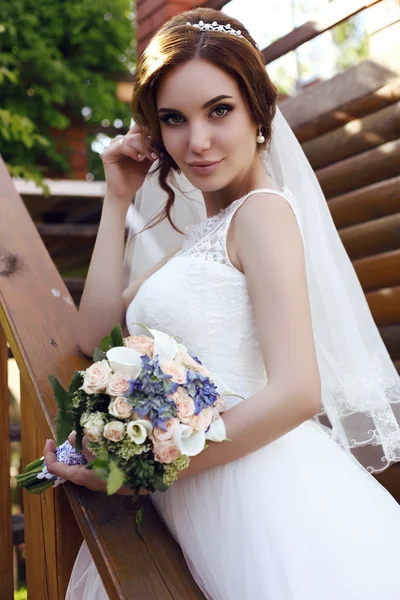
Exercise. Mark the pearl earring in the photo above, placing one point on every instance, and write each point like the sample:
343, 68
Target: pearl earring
260, 138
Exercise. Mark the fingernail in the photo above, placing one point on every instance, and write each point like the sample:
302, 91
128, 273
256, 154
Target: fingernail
154, 156
140, 157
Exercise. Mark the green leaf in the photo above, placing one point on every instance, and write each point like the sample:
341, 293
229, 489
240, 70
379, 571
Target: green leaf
64, 426
101, 464
63, 398
115, 479
117, 336
106, 343
76, 382
98, 355
139, 520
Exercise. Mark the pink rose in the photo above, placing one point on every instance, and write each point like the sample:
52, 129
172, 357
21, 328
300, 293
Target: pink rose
118, 384
177, 371
180, 395
166, 452
218, 408
201, 421
96, 377
120, 408
141, 343
162, 436
186, 408
191, 364
114, 431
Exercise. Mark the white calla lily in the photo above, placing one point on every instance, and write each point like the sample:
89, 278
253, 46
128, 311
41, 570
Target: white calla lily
188, 441
164, 345
125, 360
139, 430
223, 389
217, 431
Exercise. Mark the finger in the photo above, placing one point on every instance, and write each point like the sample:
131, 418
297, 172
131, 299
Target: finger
85, 450
72, 438
123, 148
142, 144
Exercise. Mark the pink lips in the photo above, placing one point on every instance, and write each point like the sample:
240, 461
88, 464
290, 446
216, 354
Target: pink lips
203, 167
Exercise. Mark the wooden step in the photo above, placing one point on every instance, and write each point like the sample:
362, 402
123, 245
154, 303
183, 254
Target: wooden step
366, 204
358, 171
379, 271
354, 138
373, 237
354, 109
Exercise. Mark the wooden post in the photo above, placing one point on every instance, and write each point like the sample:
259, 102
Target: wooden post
6, 555
52, 536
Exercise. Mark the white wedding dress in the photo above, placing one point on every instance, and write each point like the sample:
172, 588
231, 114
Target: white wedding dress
299, 519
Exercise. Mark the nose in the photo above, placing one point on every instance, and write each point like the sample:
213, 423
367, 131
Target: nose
199, 138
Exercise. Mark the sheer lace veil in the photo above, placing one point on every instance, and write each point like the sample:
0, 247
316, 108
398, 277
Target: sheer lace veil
360, 385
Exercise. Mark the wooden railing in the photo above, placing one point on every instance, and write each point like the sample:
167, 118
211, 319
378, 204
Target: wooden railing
323, 20
37, 319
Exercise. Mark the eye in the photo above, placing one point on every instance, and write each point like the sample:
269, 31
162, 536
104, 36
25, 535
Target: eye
221, 111
172, 119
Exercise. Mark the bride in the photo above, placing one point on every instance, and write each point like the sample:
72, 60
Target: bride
261, 289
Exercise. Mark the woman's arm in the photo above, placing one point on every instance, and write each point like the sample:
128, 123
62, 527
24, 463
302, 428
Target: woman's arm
270, 250
101, 306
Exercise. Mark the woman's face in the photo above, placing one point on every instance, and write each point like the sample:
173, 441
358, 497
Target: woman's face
206, 125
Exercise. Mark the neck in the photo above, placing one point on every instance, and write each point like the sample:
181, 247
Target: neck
255, 178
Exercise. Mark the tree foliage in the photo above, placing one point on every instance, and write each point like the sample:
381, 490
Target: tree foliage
57, 57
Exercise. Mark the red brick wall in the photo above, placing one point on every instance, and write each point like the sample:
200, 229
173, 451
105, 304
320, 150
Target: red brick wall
151, 14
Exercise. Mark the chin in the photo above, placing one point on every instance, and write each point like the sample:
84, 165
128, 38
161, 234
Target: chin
210, 183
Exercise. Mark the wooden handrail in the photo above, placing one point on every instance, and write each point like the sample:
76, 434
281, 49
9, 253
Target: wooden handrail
38, 317
325, 19
6, 556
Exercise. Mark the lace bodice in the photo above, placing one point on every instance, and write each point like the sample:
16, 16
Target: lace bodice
201, 297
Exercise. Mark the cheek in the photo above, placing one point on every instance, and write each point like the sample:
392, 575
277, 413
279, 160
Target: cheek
174, 141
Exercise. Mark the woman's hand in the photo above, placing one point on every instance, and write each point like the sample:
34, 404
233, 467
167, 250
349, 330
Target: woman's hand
126, 163
79, 474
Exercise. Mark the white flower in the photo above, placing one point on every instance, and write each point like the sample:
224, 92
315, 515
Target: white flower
125, 360
223, 389
164, 345
216, 431
189, 442
93, 426
139, 430
114, 431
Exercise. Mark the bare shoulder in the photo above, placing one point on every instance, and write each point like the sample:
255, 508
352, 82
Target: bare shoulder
264, 225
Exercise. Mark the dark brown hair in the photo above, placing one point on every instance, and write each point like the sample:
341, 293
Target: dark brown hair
176, 43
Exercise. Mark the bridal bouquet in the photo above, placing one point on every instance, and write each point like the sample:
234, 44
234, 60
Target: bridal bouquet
146, 406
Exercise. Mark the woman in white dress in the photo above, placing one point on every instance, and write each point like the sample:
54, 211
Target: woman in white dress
263, 292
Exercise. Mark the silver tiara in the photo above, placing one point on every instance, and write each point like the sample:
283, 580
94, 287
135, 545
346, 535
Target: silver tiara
214, 26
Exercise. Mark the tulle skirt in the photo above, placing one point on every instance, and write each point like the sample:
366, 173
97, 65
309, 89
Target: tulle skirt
299, 519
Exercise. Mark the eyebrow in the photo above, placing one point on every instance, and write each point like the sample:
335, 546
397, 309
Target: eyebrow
206, 105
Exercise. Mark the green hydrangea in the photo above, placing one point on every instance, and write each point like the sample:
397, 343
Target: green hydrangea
171, 471
126, 449
78, 398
